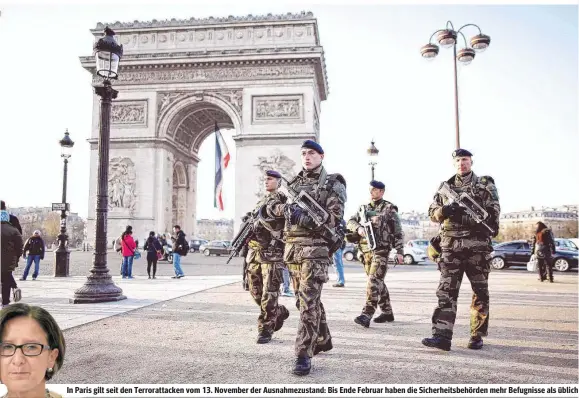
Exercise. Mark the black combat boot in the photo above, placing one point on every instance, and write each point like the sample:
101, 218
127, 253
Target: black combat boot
283, 315
475, 343
363, 320
437, 342
323, 347
384, 318
302, 366
263, 337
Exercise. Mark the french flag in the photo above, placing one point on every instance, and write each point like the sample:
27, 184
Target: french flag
221, 161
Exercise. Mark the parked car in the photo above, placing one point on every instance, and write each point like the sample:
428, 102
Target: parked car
414, 251
195, 244
350, 252
216, 247
518, 253
566, 244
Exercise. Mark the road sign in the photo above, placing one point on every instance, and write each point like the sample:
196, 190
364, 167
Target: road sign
60, 206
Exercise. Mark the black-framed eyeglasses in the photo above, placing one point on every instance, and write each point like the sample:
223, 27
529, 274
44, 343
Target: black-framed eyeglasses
28, 349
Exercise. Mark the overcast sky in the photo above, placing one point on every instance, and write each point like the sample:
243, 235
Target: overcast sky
518, 100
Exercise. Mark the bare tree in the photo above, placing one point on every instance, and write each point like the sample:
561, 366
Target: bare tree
569, 229
51, 228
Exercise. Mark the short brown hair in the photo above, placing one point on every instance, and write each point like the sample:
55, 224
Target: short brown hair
46, 322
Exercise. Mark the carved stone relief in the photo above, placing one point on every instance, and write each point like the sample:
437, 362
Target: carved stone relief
122, 184
213, 74
129, 113
316, 121
276, 161
278, 108
233, 97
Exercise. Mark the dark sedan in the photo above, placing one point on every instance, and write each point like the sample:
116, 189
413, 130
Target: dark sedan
195, 244
518, 253
216, 247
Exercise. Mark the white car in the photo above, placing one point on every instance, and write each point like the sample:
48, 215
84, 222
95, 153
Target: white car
414, 252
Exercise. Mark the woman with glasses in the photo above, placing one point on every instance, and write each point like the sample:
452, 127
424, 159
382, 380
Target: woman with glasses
31, 350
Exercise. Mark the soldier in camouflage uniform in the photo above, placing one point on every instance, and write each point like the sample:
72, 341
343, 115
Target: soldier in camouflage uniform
466, 247
308, 252
388, 233
265, 262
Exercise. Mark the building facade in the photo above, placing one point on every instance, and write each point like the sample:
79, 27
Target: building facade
214, 229
562, 220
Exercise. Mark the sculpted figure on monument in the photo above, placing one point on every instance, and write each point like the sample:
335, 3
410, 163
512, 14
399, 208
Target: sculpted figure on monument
122, 184
276, 161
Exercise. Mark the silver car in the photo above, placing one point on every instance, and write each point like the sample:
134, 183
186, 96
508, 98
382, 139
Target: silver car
414, 252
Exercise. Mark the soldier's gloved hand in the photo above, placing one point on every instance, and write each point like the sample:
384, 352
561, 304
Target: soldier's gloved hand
450, 210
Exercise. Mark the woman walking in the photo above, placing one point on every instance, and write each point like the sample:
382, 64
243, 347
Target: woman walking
543, 247
11, 243
153, 248
128, 248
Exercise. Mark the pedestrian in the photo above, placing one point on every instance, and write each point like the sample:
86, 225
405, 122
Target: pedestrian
265, 261
153, 248
543, 247
286, 291
338, 261
13, 219
32, 350
180, 248
387, 233
128, 248
308, 250
466, 247
11, 246
35, 248
243, 255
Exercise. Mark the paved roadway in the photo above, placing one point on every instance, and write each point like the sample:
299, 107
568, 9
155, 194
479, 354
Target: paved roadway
202, 329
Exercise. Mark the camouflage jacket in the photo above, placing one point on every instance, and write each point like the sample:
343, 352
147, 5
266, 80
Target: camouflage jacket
484, 192
329, 191
267, 231
387, 229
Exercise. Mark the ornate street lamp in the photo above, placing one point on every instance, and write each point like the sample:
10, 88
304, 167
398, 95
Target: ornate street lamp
448, 38
99, 286
372, 153
62, 254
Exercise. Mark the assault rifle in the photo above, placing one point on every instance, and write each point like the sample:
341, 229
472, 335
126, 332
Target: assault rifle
464, 200
243, 235
367, 225
318, 214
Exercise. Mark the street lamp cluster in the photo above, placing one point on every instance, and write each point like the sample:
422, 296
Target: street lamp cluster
447, 38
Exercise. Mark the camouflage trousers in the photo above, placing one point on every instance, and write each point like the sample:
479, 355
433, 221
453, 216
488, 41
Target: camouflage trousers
452, 267
264, 283
377, 294
308, 278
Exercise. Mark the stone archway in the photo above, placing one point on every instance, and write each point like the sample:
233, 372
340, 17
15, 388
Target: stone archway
262, 76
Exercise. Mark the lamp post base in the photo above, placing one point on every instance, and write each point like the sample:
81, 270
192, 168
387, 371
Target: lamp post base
61, 262
99, 288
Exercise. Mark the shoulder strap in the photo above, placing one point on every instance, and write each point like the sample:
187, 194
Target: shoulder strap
126, 243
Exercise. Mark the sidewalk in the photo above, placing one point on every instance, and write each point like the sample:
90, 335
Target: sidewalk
53, 294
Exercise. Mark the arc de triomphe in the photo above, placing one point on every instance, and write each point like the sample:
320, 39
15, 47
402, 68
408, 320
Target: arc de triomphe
263, 76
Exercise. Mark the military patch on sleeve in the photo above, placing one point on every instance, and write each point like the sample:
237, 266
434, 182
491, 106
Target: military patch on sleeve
489, 183
494, 192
